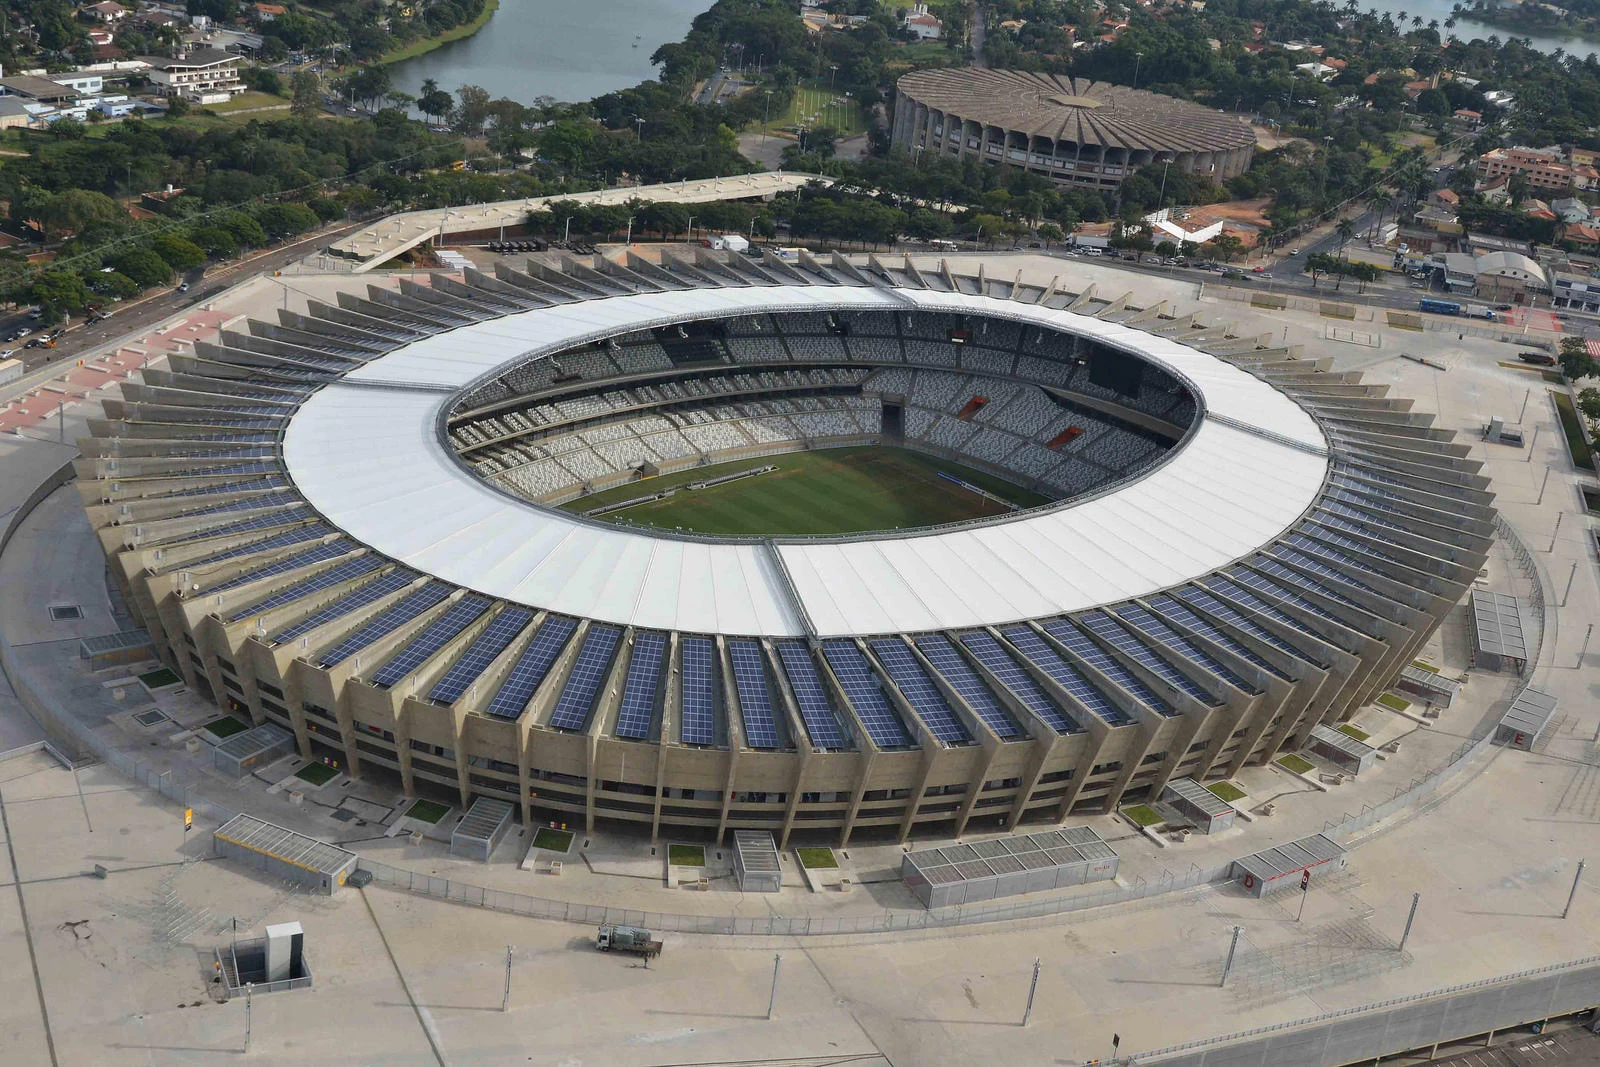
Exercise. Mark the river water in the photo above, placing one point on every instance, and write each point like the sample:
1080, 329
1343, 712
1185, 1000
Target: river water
1468, 30
569, 49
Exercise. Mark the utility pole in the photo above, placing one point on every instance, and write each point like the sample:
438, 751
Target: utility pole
1576, 878
505, 999
1415, 897
1573, 573
248, 989
1227, 965
1032, 987
772, 998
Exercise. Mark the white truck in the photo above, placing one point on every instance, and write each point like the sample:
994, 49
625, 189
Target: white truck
729, 241
627, 939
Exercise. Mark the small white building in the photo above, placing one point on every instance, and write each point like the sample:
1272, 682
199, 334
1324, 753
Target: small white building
1164, 225
924, 25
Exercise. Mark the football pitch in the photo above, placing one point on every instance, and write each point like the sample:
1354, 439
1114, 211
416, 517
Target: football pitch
830, 491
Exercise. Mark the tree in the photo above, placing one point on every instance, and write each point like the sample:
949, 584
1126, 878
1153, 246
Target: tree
145, 268
369, 84
433, 101
1589, 403
1345, 230
1576, 362
285, 220
59, 293
73, 210
244, 229
1225, 246
179, 253
307, 95
177, 107
216, 242
1049, 231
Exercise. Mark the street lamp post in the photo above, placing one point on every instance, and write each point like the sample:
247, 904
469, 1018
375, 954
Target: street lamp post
688, 231
639, 122
1138, 57
766, 110
629, 239
833, 68
1162, 196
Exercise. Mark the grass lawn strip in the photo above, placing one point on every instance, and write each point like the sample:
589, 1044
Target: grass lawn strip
1227, 791
817, 859
1143, 815
1389, 700
317, 773
553, 840
686, 855
160, 678
428, 811
1354, 731
1430, 668
224, 727
1572, 429
1297, 764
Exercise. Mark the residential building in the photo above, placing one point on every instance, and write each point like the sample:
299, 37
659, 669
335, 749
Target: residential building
43, 90
106, 11
1510, 277
204, 76
1571, 209
1542, 168
925, 26
13, 113
1472, 119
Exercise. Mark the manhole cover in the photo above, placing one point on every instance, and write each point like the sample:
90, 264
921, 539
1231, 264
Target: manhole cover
65, 612
343, 816
151, 717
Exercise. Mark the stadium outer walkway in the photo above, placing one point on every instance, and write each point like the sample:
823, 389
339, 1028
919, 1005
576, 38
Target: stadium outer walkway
394, 234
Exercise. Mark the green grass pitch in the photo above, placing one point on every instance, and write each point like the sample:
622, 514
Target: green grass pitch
829, 491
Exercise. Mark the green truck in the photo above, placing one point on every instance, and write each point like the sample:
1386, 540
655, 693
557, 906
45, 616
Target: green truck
627, 939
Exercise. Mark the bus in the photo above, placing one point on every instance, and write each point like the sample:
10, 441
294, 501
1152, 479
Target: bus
1450, 307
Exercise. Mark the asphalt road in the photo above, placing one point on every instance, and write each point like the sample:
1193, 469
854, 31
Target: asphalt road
142, 314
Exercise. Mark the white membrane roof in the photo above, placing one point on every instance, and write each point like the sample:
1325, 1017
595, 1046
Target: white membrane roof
370, 459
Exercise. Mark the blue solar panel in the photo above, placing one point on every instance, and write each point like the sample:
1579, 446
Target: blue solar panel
588, 671
1080, 645
531, 667
921, 692
278, 517
697, 725
440, 632
1171, 608
960, 677
816, 711
386, 622
964, 680
1151, 626
862, 687
341, 572
1107, 629
1326, 533
287, 539
266, 500
755, 698
489, 644
1041, 655
392, 582
1223, 587
316, 554
1014, 677
1264, 569
638, 708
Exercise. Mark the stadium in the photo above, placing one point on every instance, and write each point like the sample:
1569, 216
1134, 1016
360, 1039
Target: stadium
1070, 130
803, 546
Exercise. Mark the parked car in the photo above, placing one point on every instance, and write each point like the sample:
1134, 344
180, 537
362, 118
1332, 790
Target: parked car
1542, 359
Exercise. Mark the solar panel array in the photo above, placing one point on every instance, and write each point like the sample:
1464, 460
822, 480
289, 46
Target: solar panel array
531, 667
1237, 591
816, 710
278, 517
440, 632
1150, 626
960, 676
386, 622
1014, 677
287, 539
638, 707
1078, 642
921, 692
1265, 570
342, 572
1325, 533
316, 554
755, 696
1170, 606
1041, 655
489, 644
1108, 630
697, 722
588, 671
862, 687
392, 582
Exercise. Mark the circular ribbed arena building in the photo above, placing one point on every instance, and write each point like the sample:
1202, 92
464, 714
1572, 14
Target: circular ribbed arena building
396, 528
1071, 130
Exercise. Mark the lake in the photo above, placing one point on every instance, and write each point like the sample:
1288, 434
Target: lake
570, 49
1468, 30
